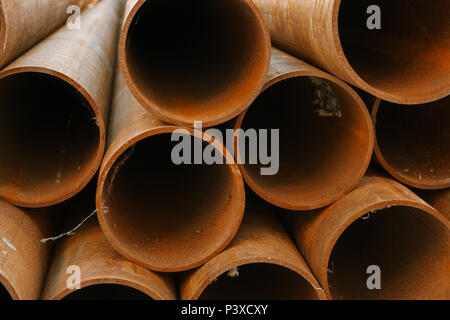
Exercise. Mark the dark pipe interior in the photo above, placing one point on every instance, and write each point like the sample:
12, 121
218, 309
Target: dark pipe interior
260, 281
319, 155
48, 137
167, 214
4, 294
107, 292
410, 247
415, 140
197, 59
409, 55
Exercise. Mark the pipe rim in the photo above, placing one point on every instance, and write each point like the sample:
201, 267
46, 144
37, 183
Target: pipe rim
100, 125
358, 214
397, 175
216, 269
368, 155
111, 159
433, 95
158, 112
114, 280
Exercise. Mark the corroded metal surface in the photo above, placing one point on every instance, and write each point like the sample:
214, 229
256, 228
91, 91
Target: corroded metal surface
406, 61
413, 142
54, 141
380, 223
99, 264
23, 257
276, 268
163, 216
208, 65
326, 136
38, 17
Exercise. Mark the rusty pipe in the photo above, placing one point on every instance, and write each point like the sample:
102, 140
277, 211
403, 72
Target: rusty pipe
381, 223
23, 257
261, 262
326, 136
54, 101
104, 274
407, 61
39, 18
163, 216
413, 142
195, 60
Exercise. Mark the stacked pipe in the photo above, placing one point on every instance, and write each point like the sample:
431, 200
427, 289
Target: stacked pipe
23, 257
262, 262
207, 65
355, 203
185, 225
380, 223
39, 18
50, 153
324, 127
413, 142
85, 266
405, 60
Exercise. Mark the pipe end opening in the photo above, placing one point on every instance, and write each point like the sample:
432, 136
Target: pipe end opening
49, 139
207, 65
157, 218
259, 281
414, 142
407, 60
410, 247
325, 135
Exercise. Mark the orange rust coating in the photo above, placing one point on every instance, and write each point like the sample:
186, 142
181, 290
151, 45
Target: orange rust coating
207, 65
261, 240
321, 157
380, 223
413, 142
23, 257
407, 61
60, 92
162, 216
100, 264
38, 17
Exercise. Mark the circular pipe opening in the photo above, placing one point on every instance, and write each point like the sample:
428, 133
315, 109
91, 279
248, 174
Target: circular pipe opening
325, 142
169, 217
409, 56
49, 139
413, 142
208, 63
408, 245
259, 281
107, 292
